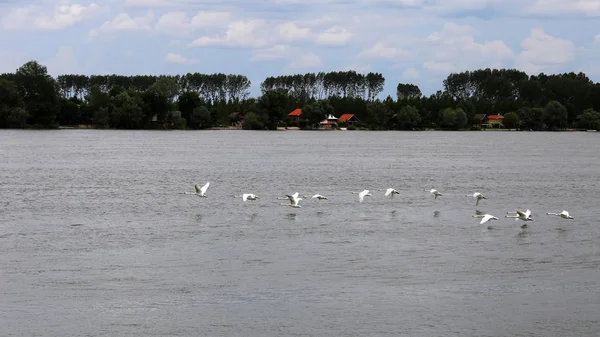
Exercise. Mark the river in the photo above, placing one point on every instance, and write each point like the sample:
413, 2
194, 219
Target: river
97, 238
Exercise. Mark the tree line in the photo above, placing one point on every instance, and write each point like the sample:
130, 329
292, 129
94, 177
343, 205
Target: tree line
30, 97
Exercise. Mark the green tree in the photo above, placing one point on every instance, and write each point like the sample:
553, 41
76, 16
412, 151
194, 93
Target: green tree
407, 118
407, 91
12, 108
187, 102
555, 116
511, 120
127, 112
531, 119
449, 119
378, 114
69, 113
274, 104
101, 118
201, 118
39, 92
252, 121
590, 119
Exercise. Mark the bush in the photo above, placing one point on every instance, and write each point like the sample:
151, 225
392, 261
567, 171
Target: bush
351, 127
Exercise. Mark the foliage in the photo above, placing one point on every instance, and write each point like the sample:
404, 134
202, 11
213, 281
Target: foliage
590, 119
453, 119
511, 120
30, 97
407, 118
555, 116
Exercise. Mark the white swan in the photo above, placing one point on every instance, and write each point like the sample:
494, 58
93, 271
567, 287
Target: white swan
486, 217
392, 192
363, 194
294, 199
201, 192
435, 193
563, 214
247, 196
477, 195
316, 196
525, 216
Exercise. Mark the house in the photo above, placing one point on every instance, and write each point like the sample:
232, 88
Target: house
295, 115
237, 119
328, 122
350, 119
495, 121
480, 120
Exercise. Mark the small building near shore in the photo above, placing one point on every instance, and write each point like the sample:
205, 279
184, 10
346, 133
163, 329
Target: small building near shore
495, 121
480, 120
237, 119
349, 119
329, 122
295, 115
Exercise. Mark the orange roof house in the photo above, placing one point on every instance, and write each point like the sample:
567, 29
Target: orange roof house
348, 118
495, 120
295, 113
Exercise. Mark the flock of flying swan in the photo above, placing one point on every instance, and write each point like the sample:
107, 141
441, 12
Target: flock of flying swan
390, 192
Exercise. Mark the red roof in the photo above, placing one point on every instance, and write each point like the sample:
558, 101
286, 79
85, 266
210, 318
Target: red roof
345, 117
495, 116
296, 112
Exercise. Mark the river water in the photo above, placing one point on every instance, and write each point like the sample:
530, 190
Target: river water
97, 238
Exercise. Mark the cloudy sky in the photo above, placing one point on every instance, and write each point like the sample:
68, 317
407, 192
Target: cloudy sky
409, 41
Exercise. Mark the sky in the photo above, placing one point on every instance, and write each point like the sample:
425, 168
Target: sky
408, 41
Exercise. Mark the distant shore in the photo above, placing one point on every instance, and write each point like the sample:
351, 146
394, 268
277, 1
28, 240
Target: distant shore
295, 128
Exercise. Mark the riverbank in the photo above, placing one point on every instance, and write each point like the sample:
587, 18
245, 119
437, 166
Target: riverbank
295, 128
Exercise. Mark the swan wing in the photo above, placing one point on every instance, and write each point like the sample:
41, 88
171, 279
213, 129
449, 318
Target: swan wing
486, 218
204, 188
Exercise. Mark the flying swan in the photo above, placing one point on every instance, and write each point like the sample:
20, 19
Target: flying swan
477, 195
563, 214
435, 193
316, 196
294, 199
201, 192
392, 192
485, 217
247, 196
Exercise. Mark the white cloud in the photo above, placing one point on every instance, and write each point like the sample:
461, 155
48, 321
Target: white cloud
334, 36
124, 22
62, 16
289, 31
411, 74
542, 51
239, 34
180, 24
273, 53
439, 67
589, 8
305, 61
149, 3
204, 19
179, 59
63, 62
379, 50
298, 57
454, 49
597, 39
